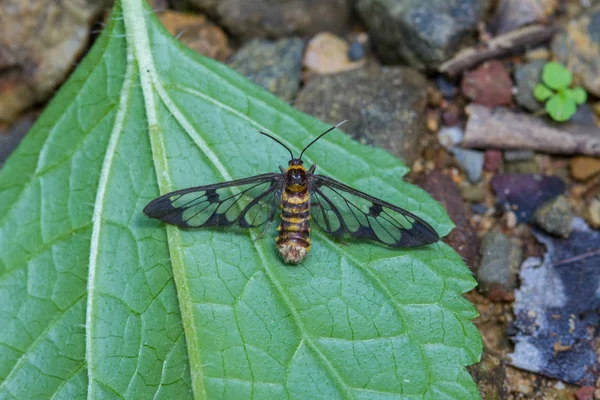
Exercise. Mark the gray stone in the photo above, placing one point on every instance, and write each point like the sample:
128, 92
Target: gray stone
578, 47
421, 33
276, 66
555, 217
384, 106
518, 155
527, 76
274, 18
471, 161
512, 14
450, 136
500, 260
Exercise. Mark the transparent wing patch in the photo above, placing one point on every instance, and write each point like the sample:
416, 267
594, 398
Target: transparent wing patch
343, 211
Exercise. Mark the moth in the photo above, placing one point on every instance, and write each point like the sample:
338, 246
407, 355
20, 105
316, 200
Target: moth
302, 195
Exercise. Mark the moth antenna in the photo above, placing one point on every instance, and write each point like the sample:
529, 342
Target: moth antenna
320, 136
278, 141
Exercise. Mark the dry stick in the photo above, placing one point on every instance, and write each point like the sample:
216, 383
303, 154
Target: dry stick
502, 129
499, 45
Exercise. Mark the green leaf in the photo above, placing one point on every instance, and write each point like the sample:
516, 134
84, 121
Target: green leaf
556, 76
561, 107
541, 92
99, 301
578, 94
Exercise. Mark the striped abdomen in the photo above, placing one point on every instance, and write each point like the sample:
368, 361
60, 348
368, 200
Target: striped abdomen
293, 240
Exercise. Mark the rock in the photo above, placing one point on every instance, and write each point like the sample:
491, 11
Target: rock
447, 88
471, 161
356, 51
527, 76
452, 115
11, 137
585, 393
158, 5
488, 372
524, 193
463, 238
385, 106
594, 213
578, 47
472, 193
489, 85
500, 260
512, 14
522, 167
197, 33
276, 66
556, 309
421, 33
274, 18
492, 160
480, 208
40, 42
555, 217
583, 168
450, 136
327, 53
518, 155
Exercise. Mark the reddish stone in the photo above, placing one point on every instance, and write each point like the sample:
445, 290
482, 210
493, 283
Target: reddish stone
585, 393
492, 160
463, 238
489, 85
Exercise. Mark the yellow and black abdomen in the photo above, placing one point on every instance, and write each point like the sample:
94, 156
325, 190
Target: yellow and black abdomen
293, 241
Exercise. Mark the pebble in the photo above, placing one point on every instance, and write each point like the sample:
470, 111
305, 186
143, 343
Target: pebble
479, 208
327, 53
555, 217
447, 88
524, 193
583, 168
578, 46
512, 14
274, 19
492, 160
518, 155
452, 114
450, 136
472, 193
276, 66
522, 167
356, 51
594, 213
40, 44
471, 161
421, 33
499, 262
527, 76
197, 33
489, 85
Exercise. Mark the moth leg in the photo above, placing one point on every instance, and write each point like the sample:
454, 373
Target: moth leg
265, 230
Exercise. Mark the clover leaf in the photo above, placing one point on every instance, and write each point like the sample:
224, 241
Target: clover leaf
561, 101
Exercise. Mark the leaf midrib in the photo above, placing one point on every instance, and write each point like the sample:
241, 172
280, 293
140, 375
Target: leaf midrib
149, 75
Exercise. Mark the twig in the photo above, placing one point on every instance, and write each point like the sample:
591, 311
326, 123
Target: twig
503, 129
499, 45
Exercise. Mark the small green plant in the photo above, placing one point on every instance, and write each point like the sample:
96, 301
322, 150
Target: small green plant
561, 101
